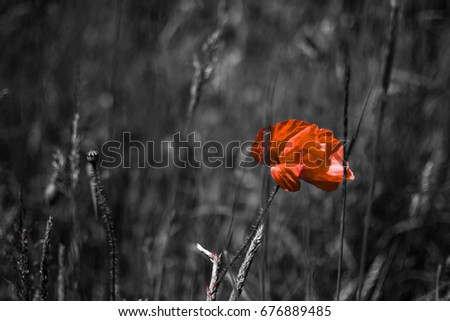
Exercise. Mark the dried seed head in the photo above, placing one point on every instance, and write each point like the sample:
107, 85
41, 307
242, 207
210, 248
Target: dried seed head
74, 156
92, 156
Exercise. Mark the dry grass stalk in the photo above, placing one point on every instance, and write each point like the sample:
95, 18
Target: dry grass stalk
74, 174
385, 81
438, 277
344, 183
372, 275
203, 68
61, 273
385, 270
24, 287
245, 267
355, 135
266, 185
263, 213
216, 260
57, 183
100, 197
422, 201
43, 270
74, 157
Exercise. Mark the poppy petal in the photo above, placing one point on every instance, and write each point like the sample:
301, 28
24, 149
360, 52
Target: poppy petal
327, 177
287, 176
300, 144
331, 144
280, 134
285, 130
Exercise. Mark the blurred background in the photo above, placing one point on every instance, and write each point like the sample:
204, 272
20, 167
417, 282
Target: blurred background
127, 66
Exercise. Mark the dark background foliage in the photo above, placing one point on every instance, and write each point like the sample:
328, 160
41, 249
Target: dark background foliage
133, 60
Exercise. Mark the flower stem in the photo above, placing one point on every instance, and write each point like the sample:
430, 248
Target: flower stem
262, 215
344, 183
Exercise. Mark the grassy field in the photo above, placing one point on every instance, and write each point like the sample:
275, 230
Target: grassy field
77, 74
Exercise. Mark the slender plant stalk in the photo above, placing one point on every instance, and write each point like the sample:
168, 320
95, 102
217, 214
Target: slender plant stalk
344, 183
263, 213
61, 273
386, 78
23, 263
216, 260
21, 212
24, 270
438, 277
355, 135
92, 158
74, 174
74, 157
385, 270
203, 69
245, 267
307, 255
265, 191
233, 215
57, 180
43, 270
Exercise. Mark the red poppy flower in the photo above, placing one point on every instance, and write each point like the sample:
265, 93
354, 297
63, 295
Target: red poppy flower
300, 150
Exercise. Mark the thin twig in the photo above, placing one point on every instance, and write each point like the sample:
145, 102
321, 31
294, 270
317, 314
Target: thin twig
216, 260
386, 77
344, 183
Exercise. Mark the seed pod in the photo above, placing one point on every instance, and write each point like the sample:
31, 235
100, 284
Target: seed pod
92, 156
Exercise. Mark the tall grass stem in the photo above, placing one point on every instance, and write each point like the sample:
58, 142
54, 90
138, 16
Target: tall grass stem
344, 183
385, 81
92, 158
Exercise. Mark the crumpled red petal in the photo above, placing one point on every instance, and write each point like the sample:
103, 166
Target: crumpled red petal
287, 176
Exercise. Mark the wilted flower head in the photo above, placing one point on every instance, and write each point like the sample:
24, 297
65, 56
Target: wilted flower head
300, 150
